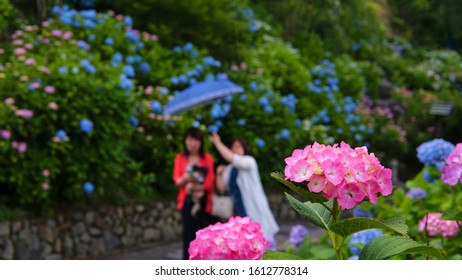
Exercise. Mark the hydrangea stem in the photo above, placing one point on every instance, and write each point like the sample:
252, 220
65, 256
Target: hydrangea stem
337, 240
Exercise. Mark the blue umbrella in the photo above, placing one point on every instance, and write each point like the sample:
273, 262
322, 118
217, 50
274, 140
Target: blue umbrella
200, 94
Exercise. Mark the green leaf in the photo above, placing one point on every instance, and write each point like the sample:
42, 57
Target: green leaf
276, 255
385, 247
313, 197
350, 226
305, 249
454, 216
314, 212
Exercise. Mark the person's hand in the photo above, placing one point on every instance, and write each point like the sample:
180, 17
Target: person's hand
215, 138
186, 178
220, 169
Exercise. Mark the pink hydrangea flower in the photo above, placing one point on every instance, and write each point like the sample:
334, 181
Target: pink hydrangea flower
149, 90
30, 61
67, 35
20, 146
342, 173
9, 101
46, 173
5, 134
53, 105
19, 51
238, 239
56, 33
45, 70
452, 172
45, 186
434, 226
50, 89
24, 113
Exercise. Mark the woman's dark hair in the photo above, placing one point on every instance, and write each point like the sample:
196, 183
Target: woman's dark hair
243, 144
195, 133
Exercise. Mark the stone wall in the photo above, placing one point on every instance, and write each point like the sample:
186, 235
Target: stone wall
101, 231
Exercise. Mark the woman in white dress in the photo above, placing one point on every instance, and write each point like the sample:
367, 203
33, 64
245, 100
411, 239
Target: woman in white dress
241, 178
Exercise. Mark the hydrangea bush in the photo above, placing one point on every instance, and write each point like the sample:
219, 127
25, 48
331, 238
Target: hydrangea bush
238, 239
432, 192
337, 178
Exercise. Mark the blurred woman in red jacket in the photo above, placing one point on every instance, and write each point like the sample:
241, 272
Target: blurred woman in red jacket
194, 175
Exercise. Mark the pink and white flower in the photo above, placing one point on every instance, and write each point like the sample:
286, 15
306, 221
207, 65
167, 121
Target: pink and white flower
339, 172
238, 239
24, 113
452, 172
434, 226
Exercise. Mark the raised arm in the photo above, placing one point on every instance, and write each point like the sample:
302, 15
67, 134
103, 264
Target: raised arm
224, 151
219, 180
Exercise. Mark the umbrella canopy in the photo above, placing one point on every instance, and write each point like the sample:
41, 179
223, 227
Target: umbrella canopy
200, 94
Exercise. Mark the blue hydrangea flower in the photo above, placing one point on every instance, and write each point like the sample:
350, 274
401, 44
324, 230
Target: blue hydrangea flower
241, 122
434, 152
145, 67
164, 91
260, 143
86, 125
358, 212
298, 123
126, 83
297, 235
428, 177
213, 128
89, 24
83, 45
174, 80
273, 243
131, 36
416, 193
134, 121
91, 37
196, 124
363, 237
61, 134
285, 133
88, 187
253, 26
188, 46
87, 66
156, 107
129, 71
268, 109
109, 41
128, 21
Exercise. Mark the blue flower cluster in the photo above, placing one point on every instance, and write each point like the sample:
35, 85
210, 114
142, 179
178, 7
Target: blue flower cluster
188, 48
416, 193
61, 135
134, 121
249, 16
359, 212
283, 134
260, 143
88, 187
434, 152
326, 81
297, 235
86, 126
289, 101
363, 237
156, 107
